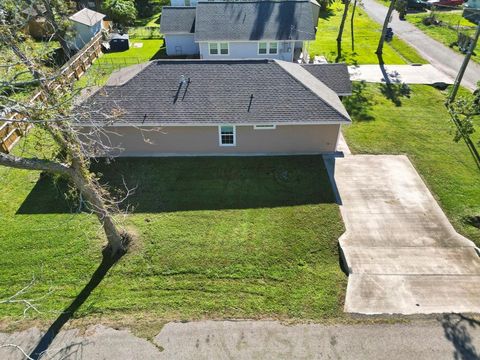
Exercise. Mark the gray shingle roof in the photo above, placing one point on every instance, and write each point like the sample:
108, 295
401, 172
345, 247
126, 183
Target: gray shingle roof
255, 20
178, 20
87, 17
335, 76
216, 92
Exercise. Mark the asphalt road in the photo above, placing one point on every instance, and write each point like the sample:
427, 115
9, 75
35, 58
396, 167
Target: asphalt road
439, 55
445, 337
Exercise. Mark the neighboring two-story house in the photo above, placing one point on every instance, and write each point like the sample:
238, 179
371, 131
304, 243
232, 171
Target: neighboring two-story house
240, 29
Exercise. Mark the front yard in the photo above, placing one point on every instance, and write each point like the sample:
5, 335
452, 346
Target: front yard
217, 238
422, 129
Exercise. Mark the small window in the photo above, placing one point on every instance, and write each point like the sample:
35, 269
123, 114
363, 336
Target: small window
224, 48
265, 127
262, 48
213, 48
227, 135
273, 48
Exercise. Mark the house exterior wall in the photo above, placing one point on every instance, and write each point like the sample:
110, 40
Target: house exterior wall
204, 140
181, 44
84, 33
249, 50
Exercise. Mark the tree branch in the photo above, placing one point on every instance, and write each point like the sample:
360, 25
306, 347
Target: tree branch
34, 164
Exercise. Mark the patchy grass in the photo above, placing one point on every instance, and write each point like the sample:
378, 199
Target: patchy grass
102, 68
447, 33
151, 21
421, 128
367, 33
217, 238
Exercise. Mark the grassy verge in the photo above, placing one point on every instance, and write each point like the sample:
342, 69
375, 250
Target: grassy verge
366, 31
447, 33
421, 128
217, 238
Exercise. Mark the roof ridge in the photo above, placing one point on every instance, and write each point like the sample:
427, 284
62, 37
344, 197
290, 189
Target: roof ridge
286, 66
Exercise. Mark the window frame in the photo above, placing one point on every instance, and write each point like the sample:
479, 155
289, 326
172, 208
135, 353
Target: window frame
220, 136
218, 46
268, 48
264, 127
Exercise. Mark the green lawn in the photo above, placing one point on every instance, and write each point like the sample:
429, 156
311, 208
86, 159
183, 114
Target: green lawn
444, 34
216, 238
420, 127
99, 72
367, 33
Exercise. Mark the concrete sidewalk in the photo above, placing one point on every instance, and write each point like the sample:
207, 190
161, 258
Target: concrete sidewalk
444, 338
409, 74
439, 55
402, 254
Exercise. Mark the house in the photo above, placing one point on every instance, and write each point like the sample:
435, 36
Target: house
240, 29
220, 107
86, 24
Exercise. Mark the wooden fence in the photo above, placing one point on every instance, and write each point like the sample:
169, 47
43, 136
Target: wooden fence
11, 131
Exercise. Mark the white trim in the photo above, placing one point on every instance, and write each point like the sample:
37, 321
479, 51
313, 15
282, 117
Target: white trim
218, 48
265, 127
268, 47
139, 124
220, 136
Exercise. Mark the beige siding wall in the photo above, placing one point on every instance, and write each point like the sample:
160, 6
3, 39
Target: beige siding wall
204, 140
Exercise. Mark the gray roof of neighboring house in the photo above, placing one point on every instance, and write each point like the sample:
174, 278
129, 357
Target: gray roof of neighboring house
255, 20
178, 20
335, 76
215, 92
87, 17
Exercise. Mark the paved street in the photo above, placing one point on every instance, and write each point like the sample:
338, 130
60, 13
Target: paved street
446, 337
439, 55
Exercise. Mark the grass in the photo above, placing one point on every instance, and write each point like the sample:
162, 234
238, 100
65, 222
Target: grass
367, 33
421, 128
216, 238
445, 34
151, 21
102, 68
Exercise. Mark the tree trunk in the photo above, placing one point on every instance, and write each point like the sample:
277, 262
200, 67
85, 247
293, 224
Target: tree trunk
340, 31
379, 51
351, 24
56, 29
116, 240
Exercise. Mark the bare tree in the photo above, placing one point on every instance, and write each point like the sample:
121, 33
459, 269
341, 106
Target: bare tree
54, 114
340, 30
379, 51
351, 24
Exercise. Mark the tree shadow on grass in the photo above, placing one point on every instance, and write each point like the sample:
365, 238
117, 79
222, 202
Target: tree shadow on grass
359, 104
67, 314
392, 87
326, 14
197, 183
456, 328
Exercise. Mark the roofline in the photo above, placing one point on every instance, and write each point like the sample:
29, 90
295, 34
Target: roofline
78, 22
203, 124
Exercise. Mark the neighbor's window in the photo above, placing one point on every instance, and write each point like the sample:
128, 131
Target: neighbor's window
264, 127
213, 48
218, 48
268, 48
224, 48
227, 135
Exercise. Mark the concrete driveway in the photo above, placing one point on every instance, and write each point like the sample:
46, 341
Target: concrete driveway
402, 254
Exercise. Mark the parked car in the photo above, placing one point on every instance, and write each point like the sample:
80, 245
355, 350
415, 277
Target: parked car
417, 4
446, 3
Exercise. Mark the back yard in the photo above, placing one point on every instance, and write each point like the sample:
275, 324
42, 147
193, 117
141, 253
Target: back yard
217, 238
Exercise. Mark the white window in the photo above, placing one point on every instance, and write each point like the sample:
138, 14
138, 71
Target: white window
218, 48
265, 127
227, 135
268, 48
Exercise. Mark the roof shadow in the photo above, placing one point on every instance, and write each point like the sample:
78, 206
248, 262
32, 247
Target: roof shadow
197, 183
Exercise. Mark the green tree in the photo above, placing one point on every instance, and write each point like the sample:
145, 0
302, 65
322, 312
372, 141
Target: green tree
464, 111
121, 12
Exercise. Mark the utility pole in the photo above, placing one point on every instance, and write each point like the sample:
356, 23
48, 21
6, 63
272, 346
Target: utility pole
459, 77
